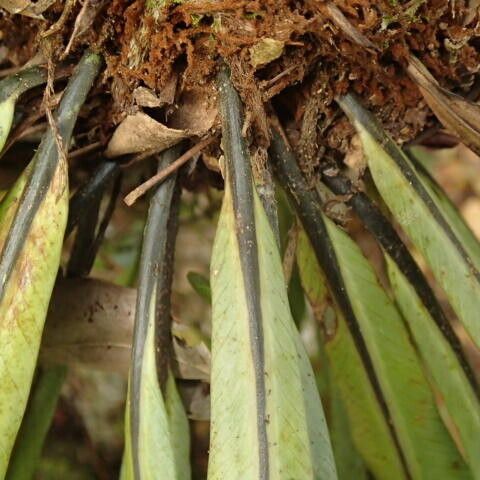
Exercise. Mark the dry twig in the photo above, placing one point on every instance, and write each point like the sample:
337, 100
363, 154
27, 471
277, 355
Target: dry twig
135, 194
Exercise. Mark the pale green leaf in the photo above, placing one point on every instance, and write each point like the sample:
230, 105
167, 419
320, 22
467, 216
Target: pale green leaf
446, 374
378, 333
10, 90
163, 433
417, 212
298, 444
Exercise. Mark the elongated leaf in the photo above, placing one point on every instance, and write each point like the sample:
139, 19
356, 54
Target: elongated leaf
425, 442
447, 375
25, 300
10, 89
412, 205
35, 424
33, 219
267, 419
392, 244
46, 388
379, 334
348, 460
163, 434
368, 425
156, 435
298, 452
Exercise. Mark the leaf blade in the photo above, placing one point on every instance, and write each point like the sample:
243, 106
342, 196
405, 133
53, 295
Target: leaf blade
227, 348
33, 215
23, 310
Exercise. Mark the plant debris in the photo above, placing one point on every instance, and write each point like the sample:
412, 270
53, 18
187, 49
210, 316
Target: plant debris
141, 133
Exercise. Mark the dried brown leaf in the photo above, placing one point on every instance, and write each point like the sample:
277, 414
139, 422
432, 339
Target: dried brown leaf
141, 133
471, 11
26, 7
144, 97
196, 113
84, 20
192, 359
337, 16
459, 115
90, 323
196, 398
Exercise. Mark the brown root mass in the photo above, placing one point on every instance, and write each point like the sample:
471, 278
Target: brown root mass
147, 45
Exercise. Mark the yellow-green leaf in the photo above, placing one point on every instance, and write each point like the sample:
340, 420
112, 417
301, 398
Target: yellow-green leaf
7, 109
33, 217
428, 449
24, 304
410, 200
163, 433
10, 89
394, 370
368, 424
445, 372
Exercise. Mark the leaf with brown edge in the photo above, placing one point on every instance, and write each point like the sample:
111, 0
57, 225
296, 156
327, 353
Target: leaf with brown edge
33, 220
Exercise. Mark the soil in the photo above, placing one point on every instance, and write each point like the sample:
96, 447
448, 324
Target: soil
147, 46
